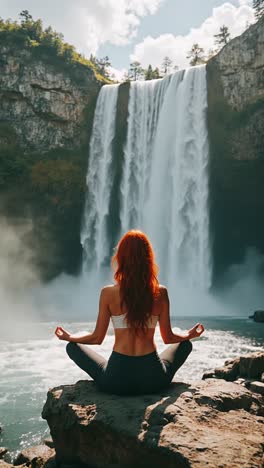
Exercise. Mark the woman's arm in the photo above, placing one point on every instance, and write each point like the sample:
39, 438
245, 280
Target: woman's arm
166, 332
100, 330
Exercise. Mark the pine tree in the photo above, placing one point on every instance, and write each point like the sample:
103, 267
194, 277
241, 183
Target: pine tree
166, 65
149, 73
25, 16
196, 54
223, 36
156, 73
103, 65
258, 6
135, 71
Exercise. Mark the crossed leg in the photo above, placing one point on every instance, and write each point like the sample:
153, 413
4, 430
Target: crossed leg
174, 356
87, 359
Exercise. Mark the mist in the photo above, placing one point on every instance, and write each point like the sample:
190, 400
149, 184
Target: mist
72, 299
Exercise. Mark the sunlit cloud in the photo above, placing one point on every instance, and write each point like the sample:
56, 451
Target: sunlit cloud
153, 50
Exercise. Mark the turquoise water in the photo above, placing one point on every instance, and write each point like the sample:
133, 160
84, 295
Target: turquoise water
29, 366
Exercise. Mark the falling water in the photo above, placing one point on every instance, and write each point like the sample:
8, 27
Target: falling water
176, 212
94, 236
164, 187
145, 99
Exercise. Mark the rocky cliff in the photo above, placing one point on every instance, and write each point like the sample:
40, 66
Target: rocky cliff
46, 114
45, 103
235, 122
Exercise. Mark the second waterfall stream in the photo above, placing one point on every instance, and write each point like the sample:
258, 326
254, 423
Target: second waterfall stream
164, 183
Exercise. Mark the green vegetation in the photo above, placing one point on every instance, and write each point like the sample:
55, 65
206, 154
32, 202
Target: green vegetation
196, 55
49, 45
50, 188
151, 74
223, 36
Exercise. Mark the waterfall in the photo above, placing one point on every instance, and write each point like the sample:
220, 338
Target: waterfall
145, 99
164, 186
177, 217
94, 236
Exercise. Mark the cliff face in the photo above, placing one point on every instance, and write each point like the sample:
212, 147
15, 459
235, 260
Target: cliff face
44, 105
235, 122
241, 67
46, 116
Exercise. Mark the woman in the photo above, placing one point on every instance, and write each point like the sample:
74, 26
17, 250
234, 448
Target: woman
135, 303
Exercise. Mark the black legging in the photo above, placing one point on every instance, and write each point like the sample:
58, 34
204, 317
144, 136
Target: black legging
130, 375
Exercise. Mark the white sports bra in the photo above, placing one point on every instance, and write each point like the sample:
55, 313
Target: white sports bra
119, 321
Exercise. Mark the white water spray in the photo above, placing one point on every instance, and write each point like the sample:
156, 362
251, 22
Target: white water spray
145, 100
94, 236
164, 187
176, 213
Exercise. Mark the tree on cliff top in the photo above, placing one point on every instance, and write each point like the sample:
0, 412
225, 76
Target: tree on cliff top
166, 65
223, 36
258, 6
48, 43
196, 55
151, 74
135, 71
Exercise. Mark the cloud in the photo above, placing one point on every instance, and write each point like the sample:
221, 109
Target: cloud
117, 74
88, 23
153, 50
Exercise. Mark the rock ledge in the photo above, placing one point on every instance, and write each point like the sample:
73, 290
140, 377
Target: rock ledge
211, 422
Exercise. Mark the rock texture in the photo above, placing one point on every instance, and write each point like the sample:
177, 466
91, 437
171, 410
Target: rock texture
235, 80
241, 67
37, 455
209, 423
250, 366
44, 103
258, 316
3, 451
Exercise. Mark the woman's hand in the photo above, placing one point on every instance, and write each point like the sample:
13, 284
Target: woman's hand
196, 331
62, 334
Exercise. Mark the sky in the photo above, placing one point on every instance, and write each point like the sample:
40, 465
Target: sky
143, 30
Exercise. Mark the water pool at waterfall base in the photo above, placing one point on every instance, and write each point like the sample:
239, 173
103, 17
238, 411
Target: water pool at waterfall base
29, 366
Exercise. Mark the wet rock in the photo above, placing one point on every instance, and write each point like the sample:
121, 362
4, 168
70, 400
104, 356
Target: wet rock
4, 464
37, 456
186, 425
49, 442
258, 316
257, 387
3, 451
249, 366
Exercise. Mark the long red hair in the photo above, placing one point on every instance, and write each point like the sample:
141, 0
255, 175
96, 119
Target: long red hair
136, 274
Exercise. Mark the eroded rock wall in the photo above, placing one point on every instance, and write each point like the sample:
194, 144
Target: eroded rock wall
236, 122
43, 103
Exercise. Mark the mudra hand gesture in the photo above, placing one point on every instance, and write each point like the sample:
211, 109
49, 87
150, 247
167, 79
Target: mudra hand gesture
196, 331
62, 334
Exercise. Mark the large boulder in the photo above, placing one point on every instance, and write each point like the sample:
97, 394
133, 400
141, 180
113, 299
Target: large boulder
258, 316
250, 366
211, 422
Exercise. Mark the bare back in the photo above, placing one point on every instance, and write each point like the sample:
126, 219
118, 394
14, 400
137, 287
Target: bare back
127, 341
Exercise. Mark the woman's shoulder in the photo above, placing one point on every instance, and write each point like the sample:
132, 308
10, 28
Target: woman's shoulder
109, 289
163, 292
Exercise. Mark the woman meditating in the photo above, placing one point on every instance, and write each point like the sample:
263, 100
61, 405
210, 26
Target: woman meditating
135, 303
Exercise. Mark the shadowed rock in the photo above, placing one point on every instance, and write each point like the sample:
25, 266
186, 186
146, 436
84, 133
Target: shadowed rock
250, 366
187, 425
258, 316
